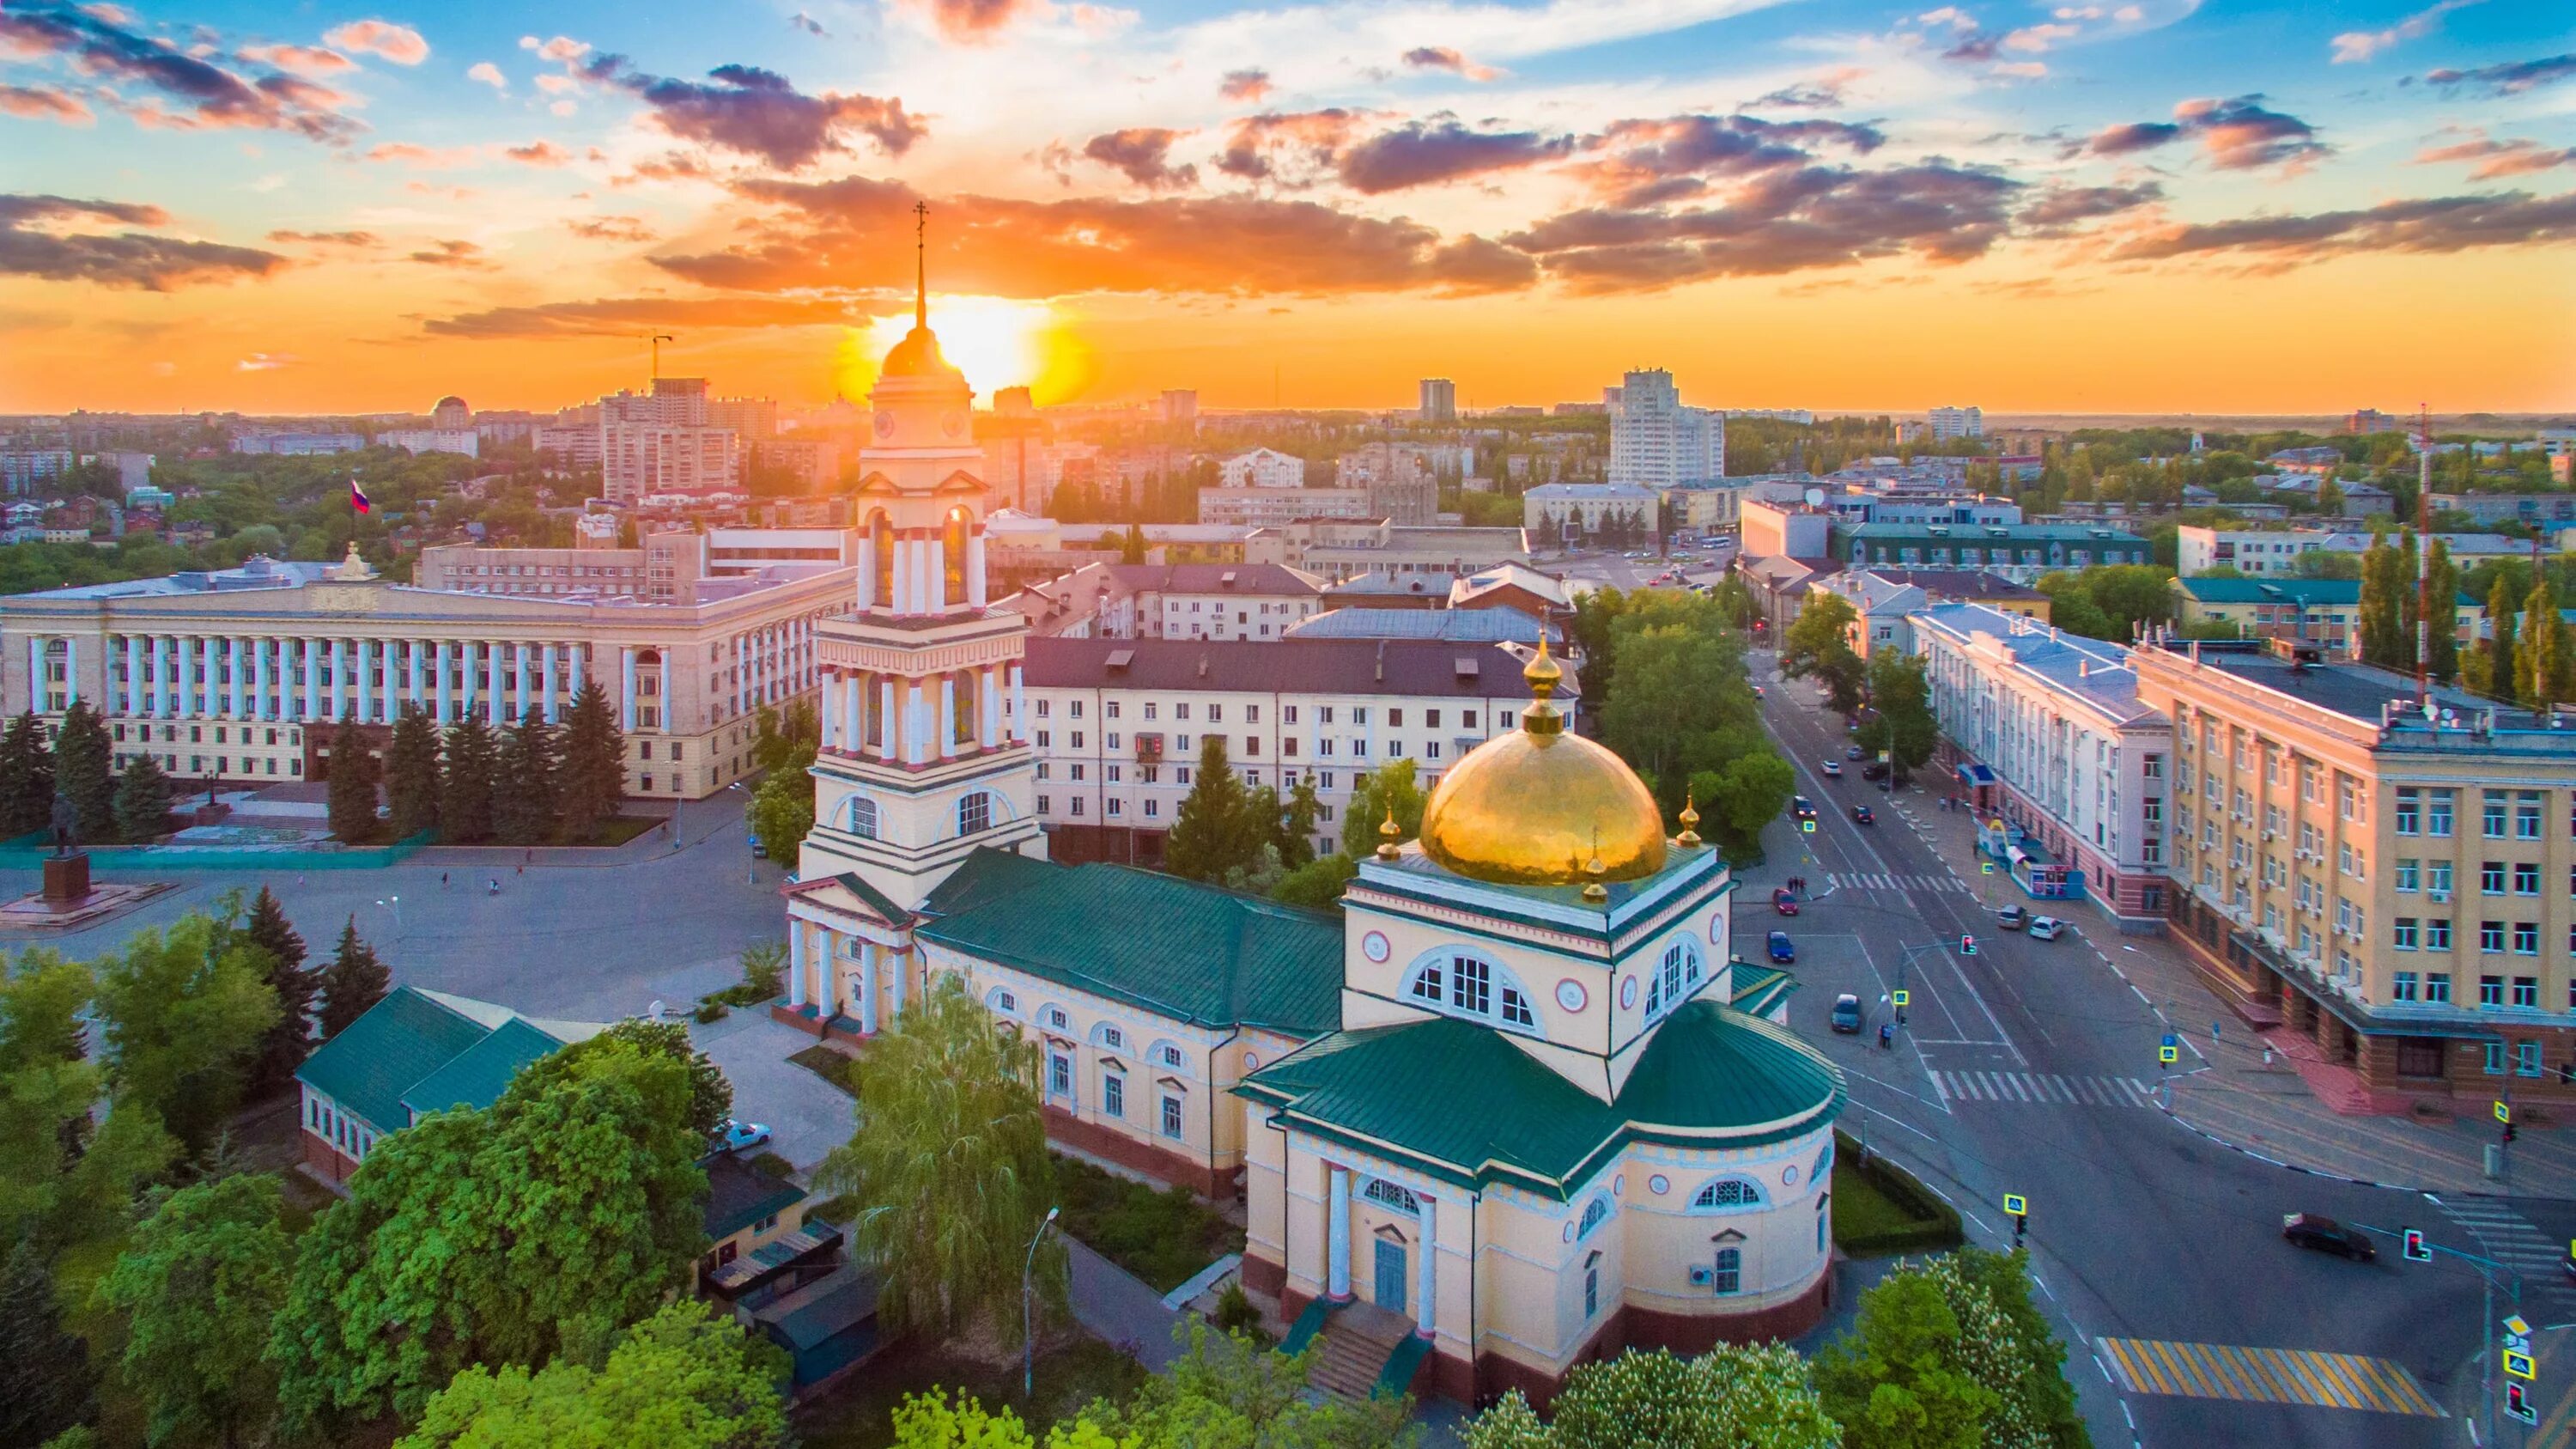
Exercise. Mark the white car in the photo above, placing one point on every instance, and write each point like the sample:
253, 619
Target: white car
2045, 928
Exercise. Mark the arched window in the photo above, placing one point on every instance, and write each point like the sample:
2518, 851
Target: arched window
863, 817
1729, 1277
952, 554
1727, 1195
1595, 1213
1673, 981
1003, 1001
1393, 1196
1821, 1220
1459, 984
974, 813
881, 546
1824, 1164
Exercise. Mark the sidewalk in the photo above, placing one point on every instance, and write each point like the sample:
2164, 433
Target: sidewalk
2226, 1090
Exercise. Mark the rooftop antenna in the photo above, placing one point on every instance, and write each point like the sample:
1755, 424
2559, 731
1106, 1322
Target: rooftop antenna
920, 266
658, 339
2423, 556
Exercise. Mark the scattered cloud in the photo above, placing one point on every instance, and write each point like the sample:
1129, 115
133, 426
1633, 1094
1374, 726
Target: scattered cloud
2057, 210
326, 238
461, 254
1823, 93
422, 158
1441, 57
809, 25
1290, 148
45, 103
1246, 86
759, 113
266, 362
313, 60
612, 228
2492, 159
2362, 45
538, 153
97, 40
2036, 39
397, 43
1653, 162
489, 74
563, 49
39, 238
974, 22
2511, 78
1420, 153
625, 316
2236, 135
2433, 224
1143, 155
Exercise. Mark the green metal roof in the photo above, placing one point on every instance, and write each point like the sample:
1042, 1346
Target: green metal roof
874, 899
478, 1075
739, 1194
1198, 953
1759, 988
986, 874
1712, 1077
2306, 593
376, 1059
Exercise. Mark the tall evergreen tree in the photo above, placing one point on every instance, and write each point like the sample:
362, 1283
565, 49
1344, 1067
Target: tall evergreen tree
1214, 832
353, 981
291, 1038
2384, 639
26, 777
355, 773
46, 1382
411, 774
523, 794
1297, 825
593, 775
2442, 585
465, 796
142, 799
2541, 664
83, 762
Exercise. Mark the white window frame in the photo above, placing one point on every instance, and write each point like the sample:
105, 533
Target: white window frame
1703, 1203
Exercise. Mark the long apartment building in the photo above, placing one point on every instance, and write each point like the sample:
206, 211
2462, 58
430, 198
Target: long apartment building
665, 570
225, 674
1118, 724
2396, 884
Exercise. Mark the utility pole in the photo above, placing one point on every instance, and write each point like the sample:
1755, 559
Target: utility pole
2424, 559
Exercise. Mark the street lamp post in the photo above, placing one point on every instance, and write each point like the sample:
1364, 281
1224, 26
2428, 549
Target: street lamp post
1028, 1311
394, 904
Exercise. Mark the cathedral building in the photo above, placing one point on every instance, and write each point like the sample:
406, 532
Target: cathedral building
1517, 1108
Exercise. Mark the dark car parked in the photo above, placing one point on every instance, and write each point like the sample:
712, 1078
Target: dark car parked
2328, 1236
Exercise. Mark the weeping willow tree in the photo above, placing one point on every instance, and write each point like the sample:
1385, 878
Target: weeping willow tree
947, 1173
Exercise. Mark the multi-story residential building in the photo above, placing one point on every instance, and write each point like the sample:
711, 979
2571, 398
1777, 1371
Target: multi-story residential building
1172, 601
1262, 468
1342, 551
753, 419
812, 462
2391, 882
2048, 734
1439, 400
665, 570
1274, 507
2535, 510
1884, 600
2323, 612
1403, 487
663, 442
1117, 724
2372, 420
433, 440
1180, 408
1569, 511
297, 445
1656, 442
2274, 552
2020, 552
246, 674
1950, 423
23, 467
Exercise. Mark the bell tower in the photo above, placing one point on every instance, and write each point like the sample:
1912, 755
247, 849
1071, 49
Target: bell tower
925, 754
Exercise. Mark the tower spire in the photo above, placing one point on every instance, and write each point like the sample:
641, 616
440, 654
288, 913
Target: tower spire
920, 264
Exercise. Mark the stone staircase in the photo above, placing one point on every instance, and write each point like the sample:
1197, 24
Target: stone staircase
1358, 1340
2338, 1086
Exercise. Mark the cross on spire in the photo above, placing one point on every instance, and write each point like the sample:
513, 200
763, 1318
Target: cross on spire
920, 264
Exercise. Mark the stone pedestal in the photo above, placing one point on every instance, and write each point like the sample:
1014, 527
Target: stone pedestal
67, 877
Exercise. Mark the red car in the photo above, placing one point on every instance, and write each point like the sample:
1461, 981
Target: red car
1784, 901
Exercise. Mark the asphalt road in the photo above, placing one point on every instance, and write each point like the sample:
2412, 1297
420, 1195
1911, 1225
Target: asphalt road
2139, 1228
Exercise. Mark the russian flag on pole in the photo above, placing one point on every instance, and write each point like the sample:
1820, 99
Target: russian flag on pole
358, 496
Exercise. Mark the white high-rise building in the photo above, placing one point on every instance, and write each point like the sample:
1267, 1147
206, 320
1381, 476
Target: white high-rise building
1654, 440
1439, 400
1949, 423
665, 442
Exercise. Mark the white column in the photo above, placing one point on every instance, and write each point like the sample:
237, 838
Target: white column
1425, 1278
890, 725
71, 669
519, 659
869, 957
161, 676
988, 700
183, 650
795, 962
133, 675
262, 703
494, 703
626, 706
827, 718
210, 702
36, 672
312, 678
855, 735
547, 678
237, 688
1337, 1232
947, 715
975, 567
334, 695
419, 695
364, 663
1019, 706
441, 660
919, 723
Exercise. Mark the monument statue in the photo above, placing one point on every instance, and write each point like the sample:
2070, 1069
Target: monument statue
66, 826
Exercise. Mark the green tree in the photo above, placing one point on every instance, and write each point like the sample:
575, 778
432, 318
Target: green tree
1748, 1397
289, 1039
778, 739
411, 774
82, 762
948, 1172
1817, 646
142, 799
61, 1179
710, 1099
2330, 498
351, 983
1393, 788
2384, 589
1230, 1390
185, 1014
523, 793
533, 1229
26, 777
1944, 1354
781, 812
202, 1276
465, 793
1298, 823
46, 1382
1902, 698
1318, 884
1675, 688
2502, 653
685, 1378
355, 773
2442, 586
594, 764
1132, 548
1217, 830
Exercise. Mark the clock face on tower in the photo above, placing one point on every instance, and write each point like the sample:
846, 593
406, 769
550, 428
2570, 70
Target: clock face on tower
953, 424
885, 426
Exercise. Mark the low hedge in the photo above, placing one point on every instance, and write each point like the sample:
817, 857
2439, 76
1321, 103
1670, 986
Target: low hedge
1879, 1209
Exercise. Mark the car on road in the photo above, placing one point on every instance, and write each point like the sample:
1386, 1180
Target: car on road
1785, 901
1846, 1017
1874, 770
2012, 918
1782, 952
1861, 816
1802, 807
1758, 694
735, 1136
1833, 769
1852, 752
2046, 928
2325, 1235
759, 851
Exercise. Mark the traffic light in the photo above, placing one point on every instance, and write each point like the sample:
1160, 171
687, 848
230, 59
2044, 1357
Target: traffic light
2416, 1251
2517, 1404
1967, 945
2509, 1130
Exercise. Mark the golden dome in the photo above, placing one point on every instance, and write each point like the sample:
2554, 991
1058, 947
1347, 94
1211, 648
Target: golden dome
917, 355
1543, 807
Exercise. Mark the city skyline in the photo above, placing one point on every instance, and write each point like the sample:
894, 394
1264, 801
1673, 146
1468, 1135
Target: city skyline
2140, 208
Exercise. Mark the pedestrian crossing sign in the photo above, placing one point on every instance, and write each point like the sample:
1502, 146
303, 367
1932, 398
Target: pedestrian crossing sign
1808, 826
2168, 1055
1902, 996
2504, 1111
1985, 867
2016, 1204
2519, 1364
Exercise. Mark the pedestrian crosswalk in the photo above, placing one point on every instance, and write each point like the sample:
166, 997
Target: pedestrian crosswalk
2267, 1375
2043, 1089
1885, 880
2511, 1240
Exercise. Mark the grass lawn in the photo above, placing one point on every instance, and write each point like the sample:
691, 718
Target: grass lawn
1161, 1237
1867, 1216
860, 1413
620, 829
832, 1066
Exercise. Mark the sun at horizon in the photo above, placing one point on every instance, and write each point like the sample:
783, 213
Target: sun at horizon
997, 342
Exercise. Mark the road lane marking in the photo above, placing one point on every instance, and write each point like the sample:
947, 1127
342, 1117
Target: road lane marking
2267, 1375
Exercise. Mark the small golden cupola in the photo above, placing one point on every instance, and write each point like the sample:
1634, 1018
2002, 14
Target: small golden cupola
1543, 807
